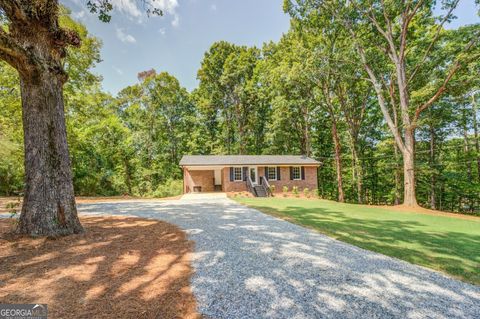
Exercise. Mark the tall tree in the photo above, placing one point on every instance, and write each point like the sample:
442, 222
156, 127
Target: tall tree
33, 41
405, 37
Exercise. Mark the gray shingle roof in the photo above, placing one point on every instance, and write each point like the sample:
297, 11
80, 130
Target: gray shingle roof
214, 160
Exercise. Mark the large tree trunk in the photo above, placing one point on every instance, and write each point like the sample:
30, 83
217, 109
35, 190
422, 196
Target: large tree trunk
396, 200
49, 203
409, 194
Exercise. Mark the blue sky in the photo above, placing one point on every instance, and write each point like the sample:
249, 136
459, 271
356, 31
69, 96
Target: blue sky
176, 42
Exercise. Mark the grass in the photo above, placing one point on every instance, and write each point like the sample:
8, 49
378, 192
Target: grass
449, 244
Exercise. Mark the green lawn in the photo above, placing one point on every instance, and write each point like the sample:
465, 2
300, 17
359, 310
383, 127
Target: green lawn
448, 244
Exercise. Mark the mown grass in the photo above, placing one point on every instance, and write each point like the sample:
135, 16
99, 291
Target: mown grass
446, 243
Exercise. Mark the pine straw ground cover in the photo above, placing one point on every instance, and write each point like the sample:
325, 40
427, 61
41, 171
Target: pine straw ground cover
121, 267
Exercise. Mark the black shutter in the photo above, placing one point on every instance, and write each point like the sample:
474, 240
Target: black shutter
245, 171
278, 173
291, 173
303, 172
231, 174
266, 173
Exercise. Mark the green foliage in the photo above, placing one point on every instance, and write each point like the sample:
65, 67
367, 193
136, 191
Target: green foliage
295, 191
285, 98
169, 188
272, 188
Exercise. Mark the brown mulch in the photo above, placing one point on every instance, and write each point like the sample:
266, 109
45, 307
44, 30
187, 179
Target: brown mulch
121, 267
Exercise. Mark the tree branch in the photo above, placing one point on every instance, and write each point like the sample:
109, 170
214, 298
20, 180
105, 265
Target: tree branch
434, 40
10, 51
381, 100
443, 87
13, 10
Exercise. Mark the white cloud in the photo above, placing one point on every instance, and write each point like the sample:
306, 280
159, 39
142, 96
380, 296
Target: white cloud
124, 37
118, 70
79, 15
213, 7
176, 20
128, 7
168, 6
134, 9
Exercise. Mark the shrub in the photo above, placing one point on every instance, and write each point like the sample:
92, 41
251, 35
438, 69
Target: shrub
306, 192
170, 188
295, 191
285, 191
272, 190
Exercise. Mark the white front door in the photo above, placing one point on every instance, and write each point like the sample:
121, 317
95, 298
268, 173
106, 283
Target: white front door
253, 174
218, 176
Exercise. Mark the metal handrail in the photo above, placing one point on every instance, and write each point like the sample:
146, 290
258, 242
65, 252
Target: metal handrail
250, 185
266, 186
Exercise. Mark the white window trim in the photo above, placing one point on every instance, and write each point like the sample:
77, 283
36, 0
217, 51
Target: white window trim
241, 174
299, 173
268, 173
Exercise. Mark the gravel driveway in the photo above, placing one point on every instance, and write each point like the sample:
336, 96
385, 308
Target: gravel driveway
251, 265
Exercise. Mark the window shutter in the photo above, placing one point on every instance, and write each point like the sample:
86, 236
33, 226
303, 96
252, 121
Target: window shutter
266, 173
245, 171
278, 173
231, 174
303, 172
291, 173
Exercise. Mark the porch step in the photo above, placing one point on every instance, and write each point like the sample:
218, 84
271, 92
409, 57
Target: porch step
259, 191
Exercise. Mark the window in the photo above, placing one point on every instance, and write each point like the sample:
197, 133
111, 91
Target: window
272, 173
296, 173
237, 174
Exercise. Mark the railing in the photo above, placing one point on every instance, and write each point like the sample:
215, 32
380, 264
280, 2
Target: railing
250, 187
266, 186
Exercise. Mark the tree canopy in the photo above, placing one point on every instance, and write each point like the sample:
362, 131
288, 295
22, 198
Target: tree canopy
379, 91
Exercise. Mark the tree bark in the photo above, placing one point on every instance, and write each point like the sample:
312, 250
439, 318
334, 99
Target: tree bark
49, 201
338, 160
409, 191
433, 177
396, 200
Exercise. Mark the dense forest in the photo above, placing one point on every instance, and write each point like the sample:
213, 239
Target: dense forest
382, 99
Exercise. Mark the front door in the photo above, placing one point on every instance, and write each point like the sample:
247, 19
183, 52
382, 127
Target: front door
253, 174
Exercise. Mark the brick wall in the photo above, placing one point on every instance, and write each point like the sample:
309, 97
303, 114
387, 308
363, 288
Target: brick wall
310, 180
229, 186
203, 178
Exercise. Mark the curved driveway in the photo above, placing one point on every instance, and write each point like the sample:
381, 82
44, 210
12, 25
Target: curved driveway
251, 265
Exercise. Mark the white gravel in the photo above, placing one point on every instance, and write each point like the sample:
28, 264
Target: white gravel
251, 265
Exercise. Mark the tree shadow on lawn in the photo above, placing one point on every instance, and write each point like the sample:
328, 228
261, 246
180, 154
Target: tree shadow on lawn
121, 267
455, 253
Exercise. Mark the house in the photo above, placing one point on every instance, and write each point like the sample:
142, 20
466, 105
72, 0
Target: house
254, 173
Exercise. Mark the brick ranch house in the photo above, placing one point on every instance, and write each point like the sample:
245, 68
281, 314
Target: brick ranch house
253, 173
